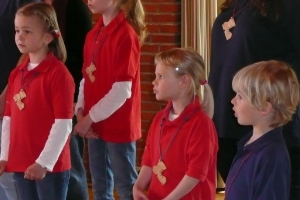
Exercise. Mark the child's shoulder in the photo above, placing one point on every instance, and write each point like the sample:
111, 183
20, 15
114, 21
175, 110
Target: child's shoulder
125, 30
18, 68
58, 68
202, 118
273, 150
13, 74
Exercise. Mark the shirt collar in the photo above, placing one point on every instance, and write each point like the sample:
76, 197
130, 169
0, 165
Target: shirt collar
42, 67
186, 114
261, 142
113, 25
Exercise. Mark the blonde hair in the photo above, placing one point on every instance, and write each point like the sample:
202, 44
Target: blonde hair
135, 15
47, 16
273, 82
189, 62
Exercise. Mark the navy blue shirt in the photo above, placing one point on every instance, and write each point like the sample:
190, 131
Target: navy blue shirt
9, 53
260, 170
254, 38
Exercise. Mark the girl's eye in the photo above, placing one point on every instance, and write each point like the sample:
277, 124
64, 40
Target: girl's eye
159, 76
239, 96
17, 31
26, 31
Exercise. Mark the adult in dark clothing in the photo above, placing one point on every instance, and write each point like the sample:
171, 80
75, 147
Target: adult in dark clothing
75, 21
263, 30
78, 22
9, 56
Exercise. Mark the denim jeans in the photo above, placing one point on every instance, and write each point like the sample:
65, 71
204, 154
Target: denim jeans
7, 184
112, 165
8, 190
77, 188
52, 186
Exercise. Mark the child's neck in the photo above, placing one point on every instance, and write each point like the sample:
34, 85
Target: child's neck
259, 131
179, 105
37, 57
109, 15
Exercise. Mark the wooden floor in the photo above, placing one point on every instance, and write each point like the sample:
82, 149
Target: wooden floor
219, 196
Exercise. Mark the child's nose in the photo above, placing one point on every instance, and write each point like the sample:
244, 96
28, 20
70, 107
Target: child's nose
154, 82
19, 36
233, 100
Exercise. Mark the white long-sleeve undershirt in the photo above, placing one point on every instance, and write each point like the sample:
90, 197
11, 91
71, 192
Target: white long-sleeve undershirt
109, 104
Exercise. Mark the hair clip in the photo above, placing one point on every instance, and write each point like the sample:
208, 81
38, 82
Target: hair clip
56, 33
203, 82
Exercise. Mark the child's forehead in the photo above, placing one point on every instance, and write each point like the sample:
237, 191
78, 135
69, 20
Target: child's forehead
160, 64
161, 67
28, 21
20, 18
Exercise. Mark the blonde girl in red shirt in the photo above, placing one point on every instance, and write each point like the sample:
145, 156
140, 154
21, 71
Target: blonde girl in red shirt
39, 108
109, 102
179, 160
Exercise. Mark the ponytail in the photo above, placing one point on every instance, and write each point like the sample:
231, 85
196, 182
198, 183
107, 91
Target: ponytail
135, 15
206, 100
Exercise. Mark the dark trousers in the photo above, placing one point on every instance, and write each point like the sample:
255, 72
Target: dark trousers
77, 188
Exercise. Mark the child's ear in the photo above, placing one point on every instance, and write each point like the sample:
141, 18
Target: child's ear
185, 81
266, 110
49, 38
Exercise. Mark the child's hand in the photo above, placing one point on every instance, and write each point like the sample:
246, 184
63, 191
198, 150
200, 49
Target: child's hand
138, 194
83, 128
90, 134
3, 164
35, 172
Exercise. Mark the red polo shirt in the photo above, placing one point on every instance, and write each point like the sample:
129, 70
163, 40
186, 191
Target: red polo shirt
193, 152
49, 92
116, 52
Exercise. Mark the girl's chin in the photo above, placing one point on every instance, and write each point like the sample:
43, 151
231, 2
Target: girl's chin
159, 98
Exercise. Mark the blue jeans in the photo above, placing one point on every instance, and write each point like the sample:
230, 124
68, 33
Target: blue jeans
7, 184
77, 188
112, 165
52, 186
7, 190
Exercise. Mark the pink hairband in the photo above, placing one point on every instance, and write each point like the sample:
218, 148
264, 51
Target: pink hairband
203, 82
56, 33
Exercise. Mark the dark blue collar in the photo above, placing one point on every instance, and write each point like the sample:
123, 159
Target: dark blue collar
261, 142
